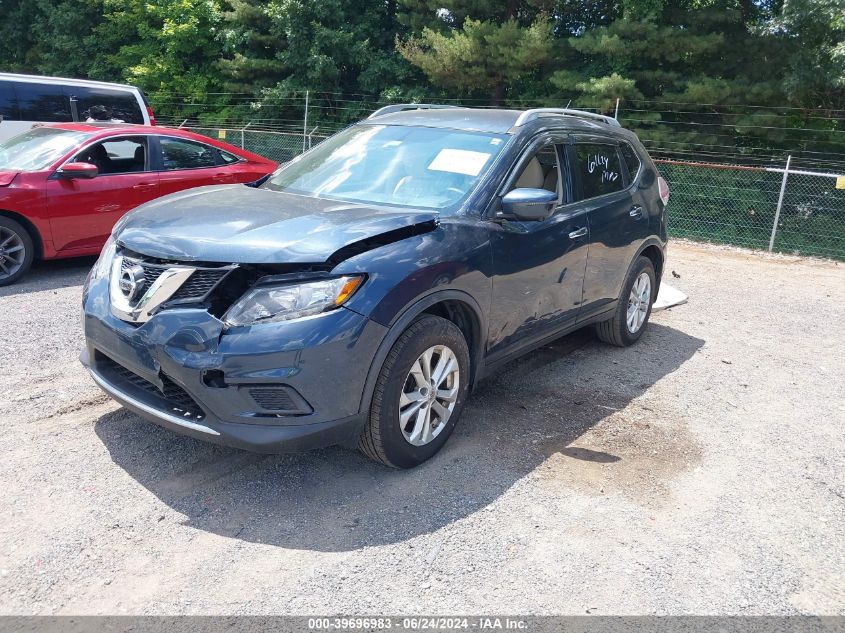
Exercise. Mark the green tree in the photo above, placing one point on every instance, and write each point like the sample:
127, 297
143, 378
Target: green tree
343, 46
474, 47
168, 48
815, 67
251, 46
49, 37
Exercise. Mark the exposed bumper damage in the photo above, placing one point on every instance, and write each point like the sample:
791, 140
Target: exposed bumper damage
275, 387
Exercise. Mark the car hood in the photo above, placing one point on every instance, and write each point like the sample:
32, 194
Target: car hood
7, 176
238, 224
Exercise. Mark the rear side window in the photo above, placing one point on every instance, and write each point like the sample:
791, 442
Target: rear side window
227, 159
8, 101
178, 153
599, 169
632, 161
42, 102
104, 104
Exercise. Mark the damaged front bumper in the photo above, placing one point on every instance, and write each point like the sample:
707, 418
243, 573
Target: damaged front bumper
275, 387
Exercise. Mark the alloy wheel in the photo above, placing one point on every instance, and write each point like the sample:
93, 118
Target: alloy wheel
429, 395
638, 302
12, 252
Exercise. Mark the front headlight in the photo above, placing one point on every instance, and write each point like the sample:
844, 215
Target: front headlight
103, 265
270, 304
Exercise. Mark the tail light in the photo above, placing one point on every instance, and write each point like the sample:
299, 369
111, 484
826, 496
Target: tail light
151, 115
663, 190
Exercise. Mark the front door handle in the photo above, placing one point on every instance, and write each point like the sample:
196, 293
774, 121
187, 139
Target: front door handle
578, 233
636, 212
142, 186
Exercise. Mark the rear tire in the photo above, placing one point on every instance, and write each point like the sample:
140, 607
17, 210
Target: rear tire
633, 309
16, 251
419, 394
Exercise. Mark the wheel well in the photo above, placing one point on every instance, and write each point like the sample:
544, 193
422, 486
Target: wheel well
462, 315
656, 257
30, 227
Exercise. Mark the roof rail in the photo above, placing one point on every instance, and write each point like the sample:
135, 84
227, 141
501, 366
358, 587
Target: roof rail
399, 107
530, 115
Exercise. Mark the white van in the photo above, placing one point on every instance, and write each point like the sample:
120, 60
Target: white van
26, 100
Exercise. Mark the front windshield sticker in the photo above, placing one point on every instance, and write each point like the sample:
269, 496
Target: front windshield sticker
459, 161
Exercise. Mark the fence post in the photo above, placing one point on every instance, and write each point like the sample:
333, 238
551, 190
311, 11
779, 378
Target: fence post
243, 136
780, 203
305, 122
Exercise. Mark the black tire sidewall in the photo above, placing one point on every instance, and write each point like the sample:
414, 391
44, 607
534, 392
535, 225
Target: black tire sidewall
422, 334
29, 249
643, 264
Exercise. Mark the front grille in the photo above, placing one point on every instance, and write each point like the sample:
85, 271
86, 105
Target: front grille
199, 284
150, 273
177, 400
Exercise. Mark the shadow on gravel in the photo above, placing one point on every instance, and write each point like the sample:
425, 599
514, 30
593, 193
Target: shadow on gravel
336, 500
51, 275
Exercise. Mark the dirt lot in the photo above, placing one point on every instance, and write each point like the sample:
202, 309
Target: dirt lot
702, 471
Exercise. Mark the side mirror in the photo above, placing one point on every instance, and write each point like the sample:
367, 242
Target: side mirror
77, 170
529, 204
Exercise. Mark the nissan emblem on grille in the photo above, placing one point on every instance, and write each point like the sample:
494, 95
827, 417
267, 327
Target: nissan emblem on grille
131, 282
138, 289
132, 299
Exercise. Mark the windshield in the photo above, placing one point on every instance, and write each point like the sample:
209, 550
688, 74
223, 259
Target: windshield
37, 148
395, 165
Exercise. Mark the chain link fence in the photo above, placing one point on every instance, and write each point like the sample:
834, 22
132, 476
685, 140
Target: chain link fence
783, 210
278, 146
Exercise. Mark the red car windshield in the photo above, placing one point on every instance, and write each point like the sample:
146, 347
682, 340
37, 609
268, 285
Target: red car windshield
36, 149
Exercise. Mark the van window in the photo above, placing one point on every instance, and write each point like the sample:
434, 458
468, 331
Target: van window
8, 101
105, 104
50, 103
42, 102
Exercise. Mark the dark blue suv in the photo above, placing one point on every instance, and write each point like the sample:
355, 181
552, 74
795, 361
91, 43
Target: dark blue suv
358, 294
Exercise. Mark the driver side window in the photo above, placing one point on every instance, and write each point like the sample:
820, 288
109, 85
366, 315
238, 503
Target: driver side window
123, 155
542, 171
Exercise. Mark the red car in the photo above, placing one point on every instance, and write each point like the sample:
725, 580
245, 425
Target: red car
63, 187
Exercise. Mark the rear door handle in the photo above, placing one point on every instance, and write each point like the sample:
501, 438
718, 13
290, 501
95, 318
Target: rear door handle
636, 212
578, 233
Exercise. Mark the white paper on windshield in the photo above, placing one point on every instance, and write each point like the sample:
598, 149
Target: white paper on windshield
459, 161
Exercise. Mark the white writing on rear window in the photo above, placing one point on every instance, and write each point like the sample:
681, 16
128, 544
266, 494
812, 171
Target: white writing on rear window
599, 161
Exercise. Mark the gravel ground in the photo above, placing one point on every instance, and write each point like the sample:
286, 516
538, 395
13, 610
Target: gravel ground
700, 472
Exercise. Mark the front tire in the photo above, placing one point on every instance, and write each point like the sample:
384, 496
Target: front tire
419, 394
633, 309
16, 251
